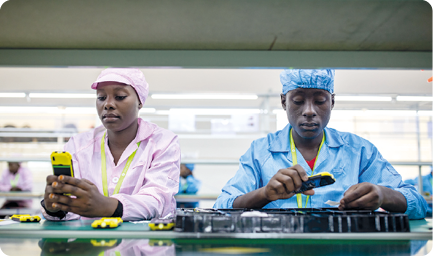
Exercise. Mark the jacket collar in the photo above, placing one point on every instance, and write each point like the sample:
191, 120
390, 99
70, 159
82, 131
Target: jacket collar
280, 141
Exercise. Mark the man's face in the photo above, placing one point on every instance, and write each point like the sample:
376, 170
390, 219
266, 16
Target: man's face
13, 167
308, 110
117, 105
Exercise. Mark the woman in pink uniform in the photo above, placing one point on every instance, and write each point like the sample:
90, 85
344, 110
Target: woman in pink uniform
126, 168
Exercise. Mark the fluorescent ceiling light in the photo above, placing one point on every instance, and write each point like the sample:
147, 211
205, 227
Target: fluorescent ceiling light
12, 95
213, 111
147, 110
350, 113
47, 110
58, 110
425, 113
278, 111
204, 96
63, 95
370, 113
163, 112
362, 98
414, 98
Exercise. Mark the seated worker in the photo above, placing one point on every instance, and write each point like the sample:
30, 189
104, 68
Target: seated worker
426, 183
275, 166
16, 178
188, 184
125, 168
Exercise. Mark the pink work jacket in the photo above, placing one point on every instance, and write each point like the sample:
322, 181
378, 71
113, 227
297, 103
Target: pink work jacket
152, 179
25, 181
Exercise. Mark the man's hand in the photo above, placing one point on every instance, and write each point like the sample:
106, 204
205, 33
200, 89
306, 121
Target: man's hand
370, 197
89, 202
364, 195
283, 184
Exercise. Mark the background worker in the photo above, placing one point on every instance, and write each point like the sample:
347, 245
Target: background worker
188, 184
275, 166
16, 178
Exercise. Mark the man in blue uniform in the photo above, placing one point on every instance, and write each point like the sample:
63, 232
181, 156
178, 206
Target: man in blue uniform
275, 166
188, 184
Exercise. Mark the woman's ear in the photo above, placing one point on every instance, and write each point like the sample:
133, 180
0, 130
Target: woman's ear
140, 105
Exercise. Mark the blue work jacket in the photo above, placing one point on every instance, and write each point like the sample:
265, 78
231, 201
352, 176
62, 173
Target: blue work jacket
188, 185
348, 157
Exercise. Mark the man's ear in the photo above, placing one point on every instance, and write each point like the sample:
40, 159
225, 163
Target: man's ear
332, 100
140, 105
283, 101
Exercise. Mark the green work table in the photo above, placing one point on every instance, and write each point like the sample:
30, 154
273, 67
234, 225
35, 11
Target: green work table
78, 237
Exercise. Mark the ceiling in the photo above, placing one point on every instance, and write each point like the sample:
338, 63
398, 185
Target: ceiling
227, 46
226, 33
217, 25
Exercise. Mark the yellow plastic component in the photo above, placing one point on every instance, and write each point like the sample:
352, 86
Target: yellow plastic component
25, 218
107, 223
323, 174
155, 242
161, 226
62, 163
98, 243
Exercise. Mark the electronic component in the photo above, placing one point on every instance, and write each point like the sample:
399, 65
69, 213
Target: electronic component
315, 181
161, 224
25, 218
107, 223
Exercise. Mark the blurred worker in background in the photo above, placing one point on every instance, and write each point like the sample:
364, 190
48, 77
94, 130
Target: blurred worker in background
188, 184
16, 178
427, 183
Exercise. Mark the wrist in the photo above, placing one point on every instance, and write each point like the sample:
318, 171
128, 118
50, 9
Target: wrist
264, 196
111, 206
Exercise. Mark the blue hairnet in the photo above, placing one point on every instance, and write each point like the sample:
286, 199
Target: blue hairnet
307, 78
190, 166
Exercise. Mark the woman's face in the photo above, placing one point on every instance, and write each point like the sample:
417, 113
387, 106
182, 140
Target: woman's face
117, 105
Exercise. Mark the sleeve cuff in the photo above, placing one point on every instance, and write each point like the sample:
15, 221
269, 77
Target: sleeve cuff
59, 214
412, 205
119, 210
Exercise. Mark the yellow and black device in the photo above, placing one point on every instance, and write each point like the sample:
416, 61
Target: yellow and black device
25, 218
161, 224
315, 181
62, 163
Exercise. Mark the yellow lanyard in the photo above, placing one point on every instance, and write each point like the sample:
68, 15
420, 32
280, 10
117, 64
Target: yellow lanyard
295, 161
14, 182
104, 169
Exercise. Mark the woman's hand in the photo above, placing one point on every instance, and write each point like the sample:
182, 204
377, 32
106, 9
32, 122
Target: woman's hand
88, 201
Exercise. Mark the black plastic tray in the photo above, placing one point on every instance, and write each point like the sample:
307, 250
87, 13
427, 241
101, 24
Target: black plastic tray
293, 220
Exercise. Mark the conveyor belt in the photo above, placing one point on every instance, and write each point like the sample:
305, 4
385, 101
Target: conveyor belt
294, 220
